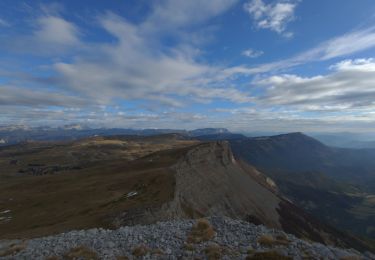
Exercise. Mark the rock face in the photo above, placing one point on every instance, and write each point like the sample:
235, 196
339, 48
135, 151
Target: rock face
233, 239
209, 182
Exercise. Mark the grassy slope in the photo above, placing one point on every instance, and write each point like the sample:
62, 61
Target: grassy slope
89, 197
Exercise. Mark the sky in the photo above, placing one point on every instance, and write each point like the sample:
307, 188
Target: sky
250, 65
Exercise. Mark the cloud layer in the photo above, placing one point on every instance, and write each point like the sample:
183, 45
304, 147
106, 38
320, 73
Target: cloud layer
155, 71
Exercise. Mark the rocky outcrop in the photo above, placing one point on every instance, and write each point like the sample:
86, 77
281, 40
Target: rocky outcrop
210, 182
232, 239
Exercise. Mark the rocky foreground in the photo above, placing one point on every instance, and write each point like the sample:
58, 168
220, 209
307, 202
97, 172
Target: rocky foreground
212, 238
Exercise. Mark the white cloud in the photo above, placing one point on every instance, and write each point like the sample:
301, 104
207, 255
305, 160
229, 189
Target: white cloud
135, 67
55, 30
350, 87
274, 16
51, 36
250, 53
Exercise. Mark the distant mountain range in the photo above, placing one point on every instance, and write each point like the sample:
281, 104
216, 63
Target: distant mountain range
11, 134
19, 133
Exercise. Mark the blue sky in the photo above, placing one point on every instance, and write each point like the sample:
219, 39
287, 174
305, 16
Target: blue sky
251, 65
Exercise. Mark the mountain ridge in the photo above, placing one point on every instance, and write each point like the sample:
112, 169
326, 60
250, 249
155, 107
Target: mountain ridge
178, 179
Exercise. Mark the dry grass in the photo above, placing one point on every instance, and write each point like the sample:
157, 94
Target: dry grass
157, 251
270, 255
81, 252
12, 249
189, 247
250, 251
268, 240
201, 231
89, 197
213, 252
53, 258
140, 250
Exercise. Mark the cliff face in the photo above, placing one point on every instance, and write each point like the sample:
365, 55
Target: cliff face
210, 182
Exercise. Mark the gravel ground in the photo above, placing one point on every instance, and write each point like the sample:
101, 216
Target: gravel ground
233, 239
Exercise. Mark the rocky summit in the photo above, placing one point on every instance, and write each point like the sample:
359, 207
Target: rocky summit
211, 238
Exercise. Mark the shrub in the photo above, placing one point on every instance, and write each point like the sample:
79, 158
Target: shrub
81, 252
282, 239
201, 231
213, 252
189, 247
268, 240
157, 251
140, 250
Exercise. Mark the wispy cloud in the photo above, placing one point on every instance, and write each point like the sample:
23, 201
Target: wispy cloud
173, 14
273, 16
346, 44
18, 96
350, 87
341, 46
54, 30
135, 67
250, 53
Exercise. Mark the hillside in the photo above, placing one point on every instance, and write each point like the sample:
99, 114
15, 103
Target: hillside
336, 185
297, 152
